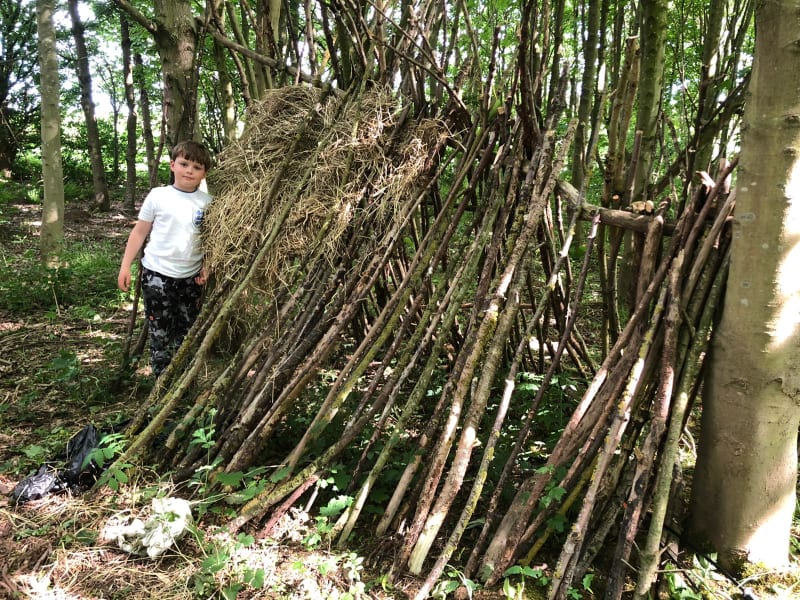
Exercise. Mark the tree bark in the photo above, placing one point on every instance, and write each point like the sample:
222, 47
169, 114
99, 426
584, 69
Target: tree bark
175, 35
743, 494
653, 39
130, 101
102, 200
648, 114
176, 39
589, 85
52, 236
225, 97
147, 121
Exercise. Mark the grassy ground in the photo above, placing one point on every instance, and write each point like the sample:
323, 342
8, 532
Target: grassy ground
61, 341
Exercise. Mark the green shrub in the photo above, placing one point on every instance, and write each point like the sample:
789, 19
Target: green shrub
77, 174
77, 191
27, 168
14, 192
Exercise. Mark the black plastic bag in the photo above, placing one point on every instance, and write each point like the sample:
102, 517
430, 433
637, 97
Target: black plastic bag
44, 482
81, 471
79, 474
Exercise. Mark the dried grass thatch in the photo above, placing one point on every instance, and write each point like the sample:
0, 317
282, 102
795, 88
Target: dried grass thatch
308, 169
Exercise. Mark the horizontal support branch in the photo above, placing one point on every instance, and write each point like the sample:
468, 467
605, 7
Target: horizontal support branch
614, 217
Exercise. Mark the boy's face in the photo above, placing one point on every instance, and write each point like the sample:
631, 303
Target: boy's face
188, 173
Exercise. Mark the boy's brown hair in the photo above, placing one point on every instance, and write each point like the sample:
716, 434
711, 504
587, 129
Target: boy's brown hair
192, 150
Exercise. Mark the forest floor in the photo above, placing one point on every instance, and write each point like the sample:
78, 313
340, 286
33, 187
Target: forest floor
60, 348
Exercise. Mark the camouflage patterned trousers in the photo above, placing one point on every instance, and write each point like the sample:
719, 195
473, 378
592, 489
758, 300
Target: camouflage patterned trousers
171, 306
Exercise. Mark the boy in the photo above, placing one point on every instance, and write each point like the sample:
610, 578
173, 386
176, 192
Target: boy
173, 275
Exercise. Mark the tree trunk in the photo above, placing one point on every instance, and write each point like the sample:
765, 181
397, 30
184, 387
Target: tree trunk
580, 159
744, 484
651, 83
52, 237
102, 200
176, 39
226, 99
147, 121
130, 101
709, 70
653, 43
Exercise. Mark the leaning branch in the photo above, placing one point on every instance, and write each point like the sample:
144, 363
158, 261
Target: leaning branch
223, 40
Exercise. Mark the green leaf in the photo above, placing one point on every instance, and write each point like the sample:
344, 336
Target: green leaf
335, 506
254, 578
532, 573
326, 567
215, 562
230, 479
279, 475
451, 586
557, 523
586, 582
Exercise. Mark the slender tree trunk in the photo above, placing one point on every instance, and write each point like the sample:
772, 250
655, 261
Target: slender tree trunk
580, 161
651, 83
130, 101
113, 97
52, 236
225, 96
743, 494
708, 83
245, 65
648, 113
102, 200
147, 121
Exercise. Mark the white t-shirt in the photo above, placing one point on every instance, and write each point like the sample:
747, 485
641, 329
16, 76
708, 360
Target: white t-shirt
175, 247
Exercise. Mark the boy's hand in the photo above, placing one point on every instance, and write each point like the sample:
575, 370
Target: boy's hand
135, 242
202, 277
124, 280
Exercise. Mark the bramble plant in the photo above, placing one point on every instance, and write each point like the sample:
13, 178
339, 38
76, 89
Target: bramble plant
203, 436
108, 447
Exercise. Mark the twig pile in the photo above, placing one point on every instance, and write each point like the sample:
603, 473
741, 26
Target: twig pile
618, 454
420, 282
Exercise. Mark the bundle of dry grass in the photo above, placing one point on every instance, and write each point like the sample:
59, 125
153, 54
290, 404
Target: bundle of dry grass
308, 169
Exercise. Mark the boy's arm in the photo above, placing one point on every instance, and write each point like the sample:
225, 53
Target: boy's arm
136, 240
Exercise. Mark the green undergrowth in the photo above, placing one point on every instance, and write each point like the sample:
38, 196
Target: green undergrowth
84, 283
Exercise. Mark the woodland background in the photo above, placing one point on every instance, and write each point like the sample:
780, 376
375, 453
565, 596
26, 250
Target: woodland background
469, 259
